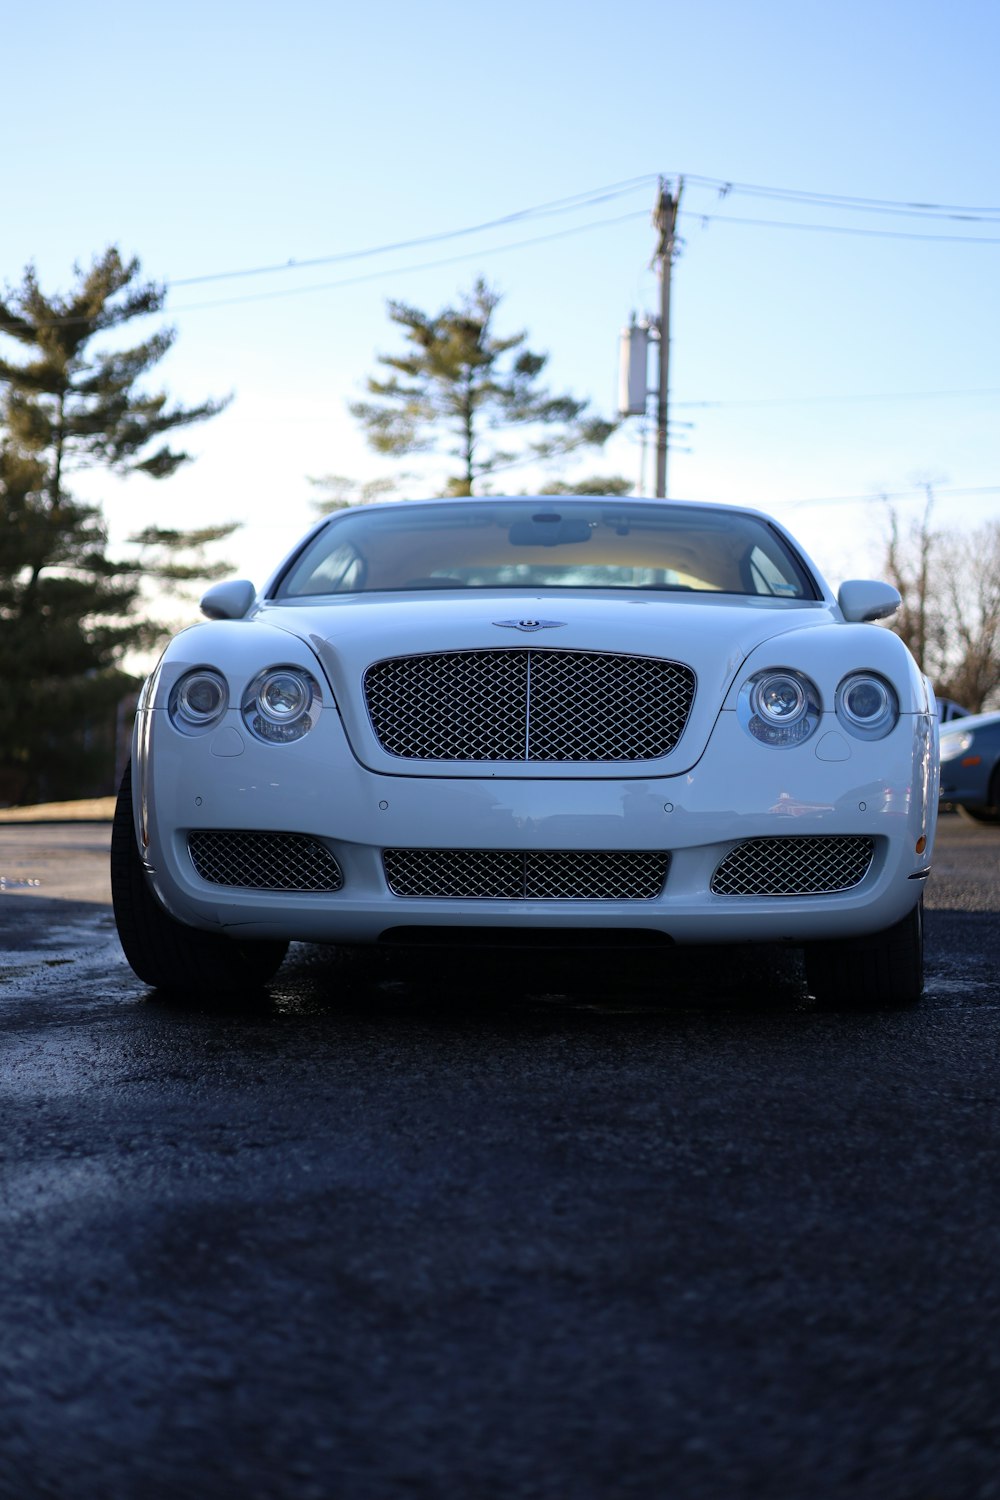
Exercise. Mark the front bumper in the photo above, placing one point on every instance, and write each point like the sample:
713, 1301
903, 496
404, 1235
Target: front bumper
739, 790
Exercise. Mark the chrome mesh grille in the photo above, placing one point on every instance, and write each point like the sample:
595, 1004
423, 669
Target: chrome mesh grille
811, 865
511, 705
539, 875
263, 861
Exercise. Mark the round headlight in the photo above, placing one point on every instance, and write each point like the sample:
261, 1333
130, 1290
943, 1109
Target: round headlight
779, 698
283, 696
281, 704
867, 707
199, 699
779, 707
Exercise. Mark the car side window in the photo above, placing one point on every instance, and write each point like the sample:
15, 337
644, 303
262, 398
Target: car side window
768, 577
341, 571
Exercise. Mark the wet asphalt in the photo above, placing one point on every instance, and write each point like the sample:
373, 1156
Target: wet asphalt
592, 1232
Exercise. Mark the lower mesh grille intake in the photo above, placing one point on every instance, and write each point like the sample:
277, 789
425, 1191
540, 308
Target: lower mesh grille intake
540, 875
264, 861
792, 866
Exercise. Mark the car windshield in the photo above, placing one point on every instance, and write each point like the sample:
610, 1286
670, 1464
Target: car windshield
540, 544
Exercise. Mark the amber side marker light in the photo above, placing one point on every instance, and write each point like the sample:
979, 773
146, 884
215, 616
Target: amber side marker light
921, 844
972, 760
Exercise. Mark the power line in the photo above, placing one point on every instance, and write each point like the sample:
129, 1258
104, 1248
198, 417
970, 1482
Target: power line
601, 195
567, 205
823, 400
848, 201
326, 286
427, 265
883, 234
540, 239
541, 210
982, 489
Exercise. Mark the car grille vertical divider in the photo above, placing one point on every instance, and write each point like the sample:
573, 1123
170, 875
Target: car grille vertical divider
527, 757
527, 708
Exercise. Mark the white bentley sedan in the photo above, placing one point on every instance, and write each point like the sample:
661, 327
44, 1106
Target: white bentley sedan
472, 721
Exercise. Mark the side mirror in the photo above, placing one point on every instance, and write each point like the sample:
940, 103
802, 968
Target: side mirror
228, 601
862, 599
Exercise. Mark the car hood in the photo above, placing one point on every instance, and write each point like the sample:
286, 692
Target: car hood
711, 635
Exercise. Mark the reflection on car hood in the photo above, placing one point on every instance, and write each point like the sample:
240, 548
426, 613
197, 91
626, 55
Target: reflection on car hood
709, 633
712, 635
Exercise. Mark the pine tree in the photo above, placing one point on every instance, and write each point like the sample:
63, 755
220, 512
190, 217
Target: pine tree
70, 614
472, 394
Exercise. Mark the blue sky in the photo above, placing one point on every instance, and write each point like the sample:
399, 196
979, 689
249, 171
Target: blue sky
816, 364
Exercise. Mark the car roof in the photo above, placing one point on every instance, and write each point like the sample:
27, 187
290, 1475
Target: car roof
971, 721
550, 500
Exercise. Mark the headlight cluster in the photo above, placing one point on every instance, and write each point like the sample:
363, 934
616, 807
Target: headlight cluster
198, 700
782, 707
867, 706
279, 706
779, 707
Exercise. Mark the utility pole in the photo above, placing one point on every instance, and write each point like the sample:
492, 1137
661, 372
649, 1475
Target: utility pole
665, 222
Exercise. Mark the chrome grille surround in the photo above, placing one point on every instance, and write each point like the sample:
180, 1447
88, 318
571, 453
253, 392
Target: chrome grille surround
794, 865
263, 861
528, 705
535, 875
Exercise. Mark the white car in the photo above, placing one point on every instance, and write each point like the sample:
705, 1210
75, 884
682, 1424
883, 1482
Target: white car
471, 720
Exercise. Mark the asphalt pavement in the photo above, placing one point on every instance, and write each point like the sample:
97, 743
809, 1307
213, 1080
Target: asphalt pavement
591, 1233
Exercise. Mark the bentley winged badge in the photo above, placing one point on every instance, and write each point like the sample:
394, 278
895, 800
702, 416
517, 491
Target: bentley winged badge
530, 625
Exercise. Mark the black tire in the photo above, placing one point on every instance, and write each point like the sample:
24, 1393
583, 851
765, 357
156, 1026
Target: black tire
988, 811
162, 951
979, 814
885, 968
